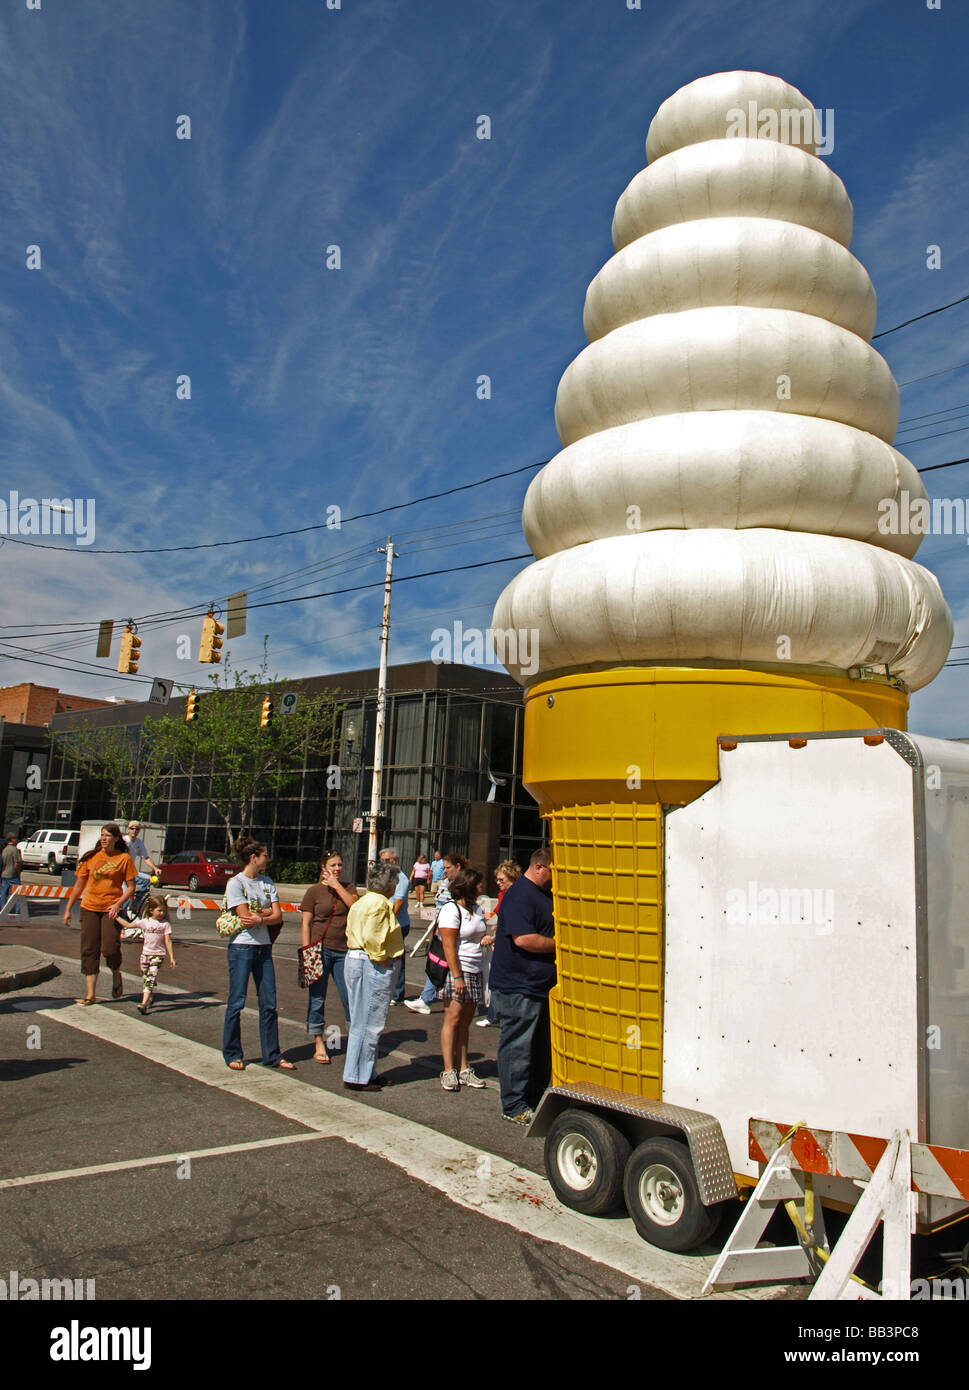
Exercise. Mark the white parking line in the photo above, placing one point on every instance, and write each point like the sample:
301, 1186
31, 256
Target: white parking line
470, 1177
156, 1161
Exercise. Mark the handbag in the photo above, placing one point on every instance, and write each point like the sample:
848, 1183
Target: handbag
227, 923
437, 966
309, 959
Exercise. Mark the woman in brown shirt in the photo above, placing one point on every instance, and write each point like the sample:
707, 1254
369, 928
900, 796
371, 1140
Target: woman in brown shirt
324, 918
106, 879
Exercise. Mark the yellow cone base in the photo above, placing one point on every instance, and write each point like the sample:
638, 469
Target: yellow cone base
602, 757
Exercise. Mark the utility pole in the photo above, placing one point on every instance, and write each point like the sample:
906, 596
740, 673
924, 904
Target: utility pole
378, 743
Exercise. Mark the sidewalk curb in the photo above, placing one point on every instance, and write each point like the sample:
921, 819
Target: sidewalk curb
24, 979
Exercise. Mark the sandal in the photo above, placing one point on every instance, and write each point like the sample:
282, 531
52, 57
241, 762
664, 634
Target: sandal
322, 1057
117, 991
85, 1001
237, 1064
283, 1065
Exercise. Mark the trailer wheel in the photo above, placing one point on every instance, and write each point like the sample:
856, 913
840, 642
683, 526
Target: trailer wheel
585, 1157
663, 1198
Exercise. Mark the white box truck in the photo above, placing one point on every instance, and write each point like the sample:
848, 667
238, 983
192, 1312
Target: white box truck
152, 833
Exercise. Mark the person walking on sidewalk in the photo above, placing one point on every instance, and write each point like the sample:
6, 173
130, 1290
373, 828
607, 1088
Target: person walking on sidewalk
157, 938
105, 881
461, 926
420, 876
252, 896
522, 973
452, 864
10, 872
324, 918
375, 945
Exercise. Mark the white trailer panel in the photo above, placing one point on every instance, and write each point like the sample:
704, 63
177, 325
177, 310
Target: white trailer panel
817, 941
791, 988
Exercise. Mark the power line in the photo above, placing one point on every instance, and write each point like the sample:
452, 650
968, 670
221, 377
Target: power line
79, 635
931, 468
944, 411
923, 438
943, 372
918, 317
334, 593
277, 535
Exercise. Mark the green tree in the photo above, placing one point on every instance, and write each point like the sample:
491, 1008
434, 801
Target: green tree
128, 765
234, 757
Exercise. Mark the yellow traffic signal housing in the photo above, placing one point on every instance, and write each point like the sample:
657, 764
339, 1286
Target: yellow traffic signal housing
267, 713
130, 651
192, 708
210, 649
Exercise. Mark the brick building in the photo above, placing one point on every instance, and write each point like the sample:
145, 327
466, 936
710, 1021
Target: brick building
25, 711
37, 704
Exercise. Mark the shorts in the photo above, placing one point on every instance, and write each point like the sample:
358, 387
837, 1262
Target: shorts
474, 994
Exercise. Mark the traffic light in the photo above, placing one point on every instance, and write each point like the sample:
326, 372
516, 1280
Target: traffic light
192, 708
130, 650
210, 649
267, 713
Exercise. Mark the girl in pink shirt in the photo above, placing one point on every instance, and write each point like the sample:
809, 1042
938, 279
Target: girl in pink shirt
157, 934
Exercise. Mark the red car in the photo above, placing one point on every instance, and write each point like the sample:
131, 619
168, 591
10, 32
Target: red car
198, 868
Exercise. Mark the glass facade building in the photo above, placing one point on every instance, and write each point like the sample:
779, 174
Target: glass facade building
453, 738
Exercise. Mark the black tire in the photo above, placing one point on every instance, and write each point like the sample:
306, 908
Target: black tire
51, 864
585, 1157
663, 1198
193, 883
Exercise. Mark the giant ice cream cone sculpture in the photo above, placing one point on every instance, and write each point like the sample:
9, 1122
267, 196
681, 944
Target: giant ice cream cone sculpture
709, 553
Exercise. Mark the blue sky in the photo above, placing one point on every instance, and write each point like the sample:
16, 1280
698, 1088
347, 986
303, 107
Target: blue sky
460, 257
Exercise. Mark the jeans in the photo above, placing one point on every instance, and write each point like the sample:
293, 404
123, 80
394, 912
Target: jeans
400, 969
428, 993
333, 965
6, 885
369, 988
256, 961
524, 1050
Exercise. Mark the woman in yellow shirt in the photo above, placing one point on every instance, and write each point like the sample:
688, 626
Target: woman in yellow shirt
105, 879
374, 942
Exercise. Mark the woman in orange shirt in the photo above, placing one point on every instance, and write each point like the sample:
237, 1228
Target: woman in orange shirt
106, 879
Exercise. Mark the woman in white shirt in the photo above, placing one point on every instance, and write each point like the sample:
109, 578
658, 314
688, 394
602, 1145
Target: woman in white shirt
461, 926
252, 896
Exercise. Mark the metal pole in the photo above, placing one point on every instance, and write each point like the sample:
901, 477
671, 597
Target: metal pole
378, 744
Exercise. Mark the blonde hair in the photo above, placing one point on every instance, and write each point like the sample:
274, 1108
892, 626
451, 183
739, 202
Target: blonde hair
510, 869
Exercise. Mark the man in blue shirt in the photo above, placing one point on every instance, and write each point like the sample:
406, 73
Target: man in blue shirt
522, 973
399, 904
437, 867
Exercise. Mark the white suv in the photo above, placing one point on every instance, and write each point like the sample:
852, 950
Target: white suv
50, 849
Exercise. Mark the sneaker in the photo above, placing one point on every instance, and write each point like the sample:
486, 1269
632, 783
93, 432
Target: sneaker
469, 1077
484, 1023
449, 1080
525, 1118
417, 1005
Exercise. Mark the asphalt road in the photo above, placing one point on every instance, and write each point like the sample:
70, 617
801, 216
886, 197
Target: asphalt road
295, 1209
130, 1155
